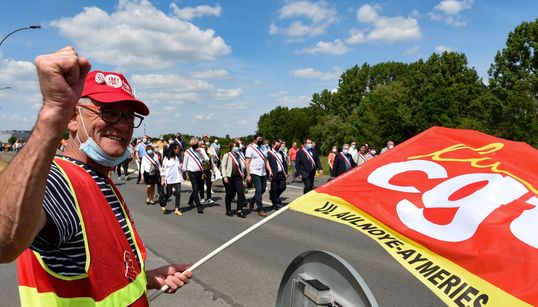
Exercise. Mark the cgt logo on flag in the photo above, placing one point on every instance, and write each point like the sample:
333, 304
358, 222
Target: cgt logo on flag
457, 208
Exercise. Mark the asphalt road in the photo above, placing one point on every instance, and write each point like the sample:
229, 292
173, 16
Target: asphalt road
249, 272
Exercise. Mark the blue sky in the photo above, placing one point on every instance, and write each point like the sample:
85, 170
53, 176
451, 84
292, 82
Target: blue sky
216, 66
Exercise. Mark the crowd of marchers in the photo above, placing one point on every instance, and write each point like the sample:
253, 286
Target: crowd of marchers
242, 166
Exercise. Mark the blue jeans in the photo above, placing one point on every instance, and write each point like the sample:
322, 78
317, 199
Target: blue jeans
260, 183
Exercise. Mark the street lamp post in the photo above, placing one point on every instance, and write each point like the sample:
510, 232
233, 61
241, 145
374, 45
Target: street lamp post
21, 29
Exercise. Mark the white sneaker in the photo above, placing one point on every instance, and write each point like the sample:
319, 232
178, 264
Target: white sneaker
209, 201
202, 201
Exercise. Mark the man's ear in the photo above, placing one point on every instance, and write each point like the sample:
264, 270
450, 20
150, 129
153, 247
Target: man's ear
73, 122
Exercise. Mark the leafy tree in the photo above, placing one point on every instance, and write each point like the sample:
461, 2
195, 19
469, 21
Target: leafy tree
514, 80
12, 140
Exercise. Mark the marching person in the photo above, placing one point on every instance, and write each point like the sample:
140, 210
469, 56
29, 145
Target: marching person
233, 172
64, 219
343, 162
277, 162
139, 154
390, 145
330, 158
361, 154
292, 154
307, 162
150, 169
257, 168
172, 177
207, 173
193, 165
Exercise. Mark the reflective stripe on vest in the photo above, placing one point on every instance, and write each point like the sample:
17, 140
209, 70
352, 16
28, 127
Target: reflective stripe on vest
111, 281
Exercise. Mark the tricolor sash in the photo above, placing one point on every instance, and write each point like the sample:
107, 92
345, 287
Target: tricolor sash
193, 156
277, 159
348, 164
309, 155
236, 163
257, 151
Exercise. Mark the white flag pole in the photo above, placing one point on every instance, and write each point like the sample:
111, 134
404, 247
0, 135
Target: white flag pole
221, 248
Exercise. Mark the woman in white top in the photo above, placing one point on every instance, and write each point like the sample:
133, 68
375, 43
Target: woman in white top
172, 176
150, 167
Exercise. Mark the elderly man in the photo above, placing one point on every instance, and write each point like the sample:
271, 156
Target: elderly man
67, 223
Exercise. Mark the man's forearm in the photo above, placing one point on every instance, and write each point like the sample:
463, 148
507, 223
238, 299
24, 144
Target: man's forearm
23, 183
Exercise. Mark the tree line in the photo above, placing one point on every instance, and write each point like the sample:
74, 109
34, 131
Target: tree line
395, 100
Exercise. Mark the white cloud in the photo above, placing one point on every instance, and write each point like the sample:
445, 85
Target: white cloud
232, 106
307, 19
312, 73
188, 13
211, 74
441, 49
257, 83
283, 98
336, 47
454, 7
170, 82
226, 94
449, 12
203, 117
356, 37
23, 91
387, 29
139, 35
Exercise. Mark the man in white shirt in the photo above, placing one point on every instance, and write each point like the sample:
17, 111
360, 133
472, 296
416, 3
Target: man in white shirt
193, 165
257, 170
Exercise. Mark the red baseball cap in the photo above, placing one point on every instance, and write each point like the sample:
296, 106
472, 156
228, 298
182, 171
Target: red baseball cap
110, 87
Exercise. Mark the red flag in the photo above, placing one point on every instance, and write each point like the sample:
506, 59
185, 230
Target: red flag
457, 208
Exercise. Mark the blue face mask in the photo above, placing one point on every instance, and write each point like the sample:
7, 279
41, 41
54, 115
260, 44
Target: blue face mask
309, 146
149, 152
236, 149
94, 152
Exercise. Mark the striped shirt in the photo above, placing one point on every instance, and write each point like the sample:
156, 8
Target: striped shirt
61, 242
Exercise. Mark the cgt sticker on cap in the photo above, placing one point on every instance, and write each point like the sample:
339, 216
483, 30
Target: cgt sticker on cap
113, 81
99, 78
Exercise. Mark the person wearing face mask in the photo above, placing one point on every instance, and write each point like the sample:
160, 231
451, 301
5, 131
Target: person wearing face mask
390, 145
362, 156
307, 162
65, 221
193, 162
277, 162
343, 162
139, 154
233, 172
371, 152
150, 168
330, 158
258, 169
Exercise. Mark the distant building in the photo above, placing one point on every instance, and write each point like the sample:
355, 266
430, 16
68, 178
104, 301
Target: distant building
20, 135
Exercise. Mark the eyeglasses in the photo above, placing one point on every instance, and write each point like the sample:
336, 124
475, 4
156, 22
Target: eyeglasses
113, 116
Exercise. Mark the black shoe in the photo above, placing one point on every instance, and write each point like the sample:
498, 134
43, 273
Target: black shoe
229, 213
240, 214
275, 207
191, 205
200, 209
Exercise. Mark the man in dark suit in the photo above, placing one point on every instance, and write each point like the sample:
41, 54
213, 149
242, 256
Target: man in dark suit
277, 161
343, 162
307, 162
